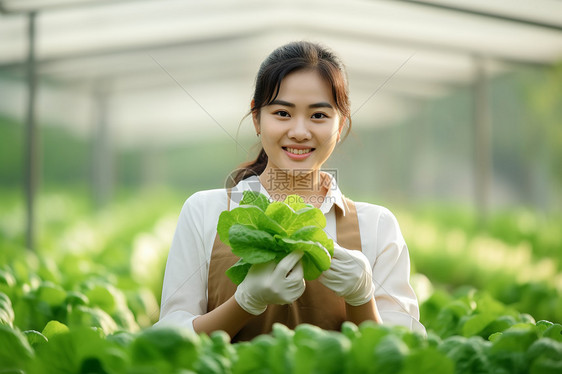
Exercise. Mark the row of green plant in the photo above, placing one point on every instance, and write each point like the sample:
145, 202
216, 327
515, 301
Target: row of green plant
121, 249
512, 343
452, 256
537, 233
125, 245
83, 301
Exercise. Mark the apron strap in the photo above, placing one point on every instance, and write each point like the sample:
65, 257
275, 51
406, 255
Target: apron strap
347, 229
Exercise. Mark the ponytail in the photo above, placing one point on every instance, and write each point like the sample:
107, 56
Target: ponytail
248, 169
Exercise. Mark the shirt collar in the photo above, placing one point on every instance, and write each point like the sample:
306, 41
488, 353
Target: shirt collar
334, 195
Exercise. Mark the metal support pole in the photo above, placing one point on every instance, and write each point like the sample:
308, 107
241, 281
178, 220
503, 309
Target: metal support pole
102, 182
31, 156
482, 141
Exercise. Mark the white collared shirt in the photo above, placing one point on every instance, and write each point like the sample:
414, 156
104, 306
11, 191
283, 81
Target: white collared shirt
184, 292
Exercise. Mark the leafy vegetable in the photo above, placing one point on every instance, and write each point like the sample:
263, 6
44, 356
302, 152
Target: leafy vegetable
523, 347
16, 351
6, 311
56, 319
259, 231
165, 346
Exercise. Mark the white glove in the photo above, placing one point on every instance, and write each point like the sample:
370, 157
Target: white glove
349, 276
271, 283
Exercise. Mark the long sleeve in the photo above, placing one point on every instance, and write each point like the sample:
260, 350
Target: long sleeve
395, 298
185, 278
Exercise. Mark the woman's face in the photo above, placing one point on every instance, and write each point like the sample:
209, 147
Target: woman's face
300, 129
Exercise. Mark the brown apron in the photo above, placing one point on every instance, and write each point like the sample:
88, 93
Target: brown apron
318, 305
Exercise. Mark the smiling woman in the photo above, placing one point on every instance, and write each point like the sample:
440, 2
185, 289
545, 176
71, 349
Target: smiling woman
299, 131
298, 85
300, 107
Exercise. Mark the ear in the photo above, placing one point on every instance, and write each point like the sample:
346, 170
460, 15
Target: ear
255, 118
340, 128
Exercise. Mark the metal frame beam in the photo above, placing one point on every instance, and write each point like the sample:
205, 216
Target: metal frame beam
459, 8
58, 6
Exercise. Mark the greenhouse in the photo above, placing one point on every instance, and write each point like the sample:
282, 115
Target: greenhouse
115, 114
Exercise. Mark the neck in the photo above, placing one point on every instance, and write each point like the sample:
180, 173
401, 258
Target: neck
311, 185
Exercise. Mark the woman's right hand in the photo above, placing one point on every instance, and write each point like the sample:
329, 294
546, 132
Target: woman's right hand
271, 283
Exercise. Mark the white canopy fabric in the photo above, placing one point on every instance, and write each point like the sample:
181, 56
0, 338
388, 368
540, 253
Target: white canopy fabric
175, 70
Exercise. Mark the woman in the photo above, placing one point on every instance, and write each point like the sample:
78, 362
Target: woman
299, 109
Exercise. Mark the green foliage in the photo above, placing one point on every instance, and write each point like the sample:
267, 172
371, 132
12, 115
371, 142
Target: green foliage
544, 100
165, 349
11, 155
82, 304
6, 310
368, 349
516, 258
259, 232
16, 351
469, 313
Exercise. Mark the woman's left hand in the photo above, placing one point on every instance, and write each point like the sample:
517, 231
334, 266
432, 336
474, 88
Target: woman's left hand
349, 276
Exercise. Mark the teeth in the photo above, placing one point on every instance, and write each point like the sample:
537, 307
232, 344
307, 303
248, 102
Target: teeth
299, 151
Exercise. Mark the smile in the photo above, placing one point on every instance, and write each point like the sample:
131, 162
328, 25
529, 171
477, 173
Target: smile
298, 154
298, 151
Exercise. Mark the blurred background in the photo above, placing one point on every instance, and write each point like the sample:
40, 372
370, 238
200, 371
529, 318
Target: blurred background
112, 113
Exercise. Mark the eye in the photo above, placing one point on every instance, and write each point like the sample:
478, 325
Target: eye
319, 116
282, 113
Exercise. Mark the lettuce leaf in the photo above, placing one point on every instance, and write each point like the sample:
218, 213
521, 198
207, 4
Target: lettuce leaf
250, 216
254, 246
315, 234
6, 310
255, 198
259, 231
238, 271
316, 258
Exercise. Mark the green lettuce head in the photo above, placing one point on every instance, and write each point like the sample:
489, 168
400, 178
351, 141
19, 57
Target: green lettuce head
260, 231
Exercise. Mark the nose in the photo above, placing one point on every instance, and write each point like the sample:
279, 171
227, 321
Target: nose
299, 129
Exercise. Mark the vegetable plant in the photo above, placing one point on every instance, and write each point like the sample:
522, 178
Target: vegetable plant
260, 231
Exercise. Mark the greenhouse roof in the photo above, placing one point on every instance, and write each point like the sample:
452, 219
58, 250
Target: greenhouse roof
177, 69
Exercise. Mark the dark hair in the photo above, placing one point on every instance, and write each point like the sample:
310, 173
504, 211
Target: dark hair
282, 61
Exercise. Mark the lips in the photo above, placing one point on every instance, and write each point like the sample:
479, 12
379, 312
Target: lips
298, 151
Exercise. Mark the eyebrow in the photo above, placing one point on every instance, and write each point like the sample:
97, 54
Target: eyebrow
316, 105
